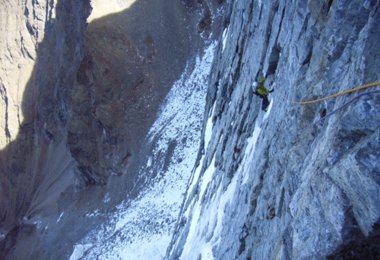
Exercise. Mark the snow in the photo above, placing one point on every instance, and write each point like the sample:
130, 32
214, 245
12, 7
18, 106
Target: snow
79, 251
93, 214
195, 177
106, 198
207, 177
208, 132
140, 249
250, 149
266, 115
224, 36
224, 199
211, 220
60, 217
209, 126
150, 162
142, 228
207, 252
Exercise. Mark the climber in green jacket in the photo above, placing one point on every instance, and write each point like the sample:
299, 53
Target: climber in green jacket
262, 92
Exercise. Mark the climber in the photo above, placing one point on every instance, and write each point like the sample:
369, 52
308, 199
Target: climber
262, 92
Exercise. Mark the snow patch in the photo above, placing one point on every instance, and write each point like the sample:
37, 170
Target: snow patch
93, 214
250, 150
194, 242
208, 129
208, 132
60, 217
207, 252
224, 38
79, 251
106, 198
266, 115
150, 162
207, 177
140, 248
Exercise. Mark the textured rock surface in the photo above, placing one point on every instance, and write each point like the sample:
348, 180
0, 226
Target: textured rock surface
287, 184
126, 72
21, 32
76, 105
77, 101
42, 51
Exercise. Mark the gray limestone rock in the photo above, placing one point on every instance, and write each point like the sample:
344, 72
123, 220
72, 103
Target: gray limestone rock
309, 184
77, 98
296, 182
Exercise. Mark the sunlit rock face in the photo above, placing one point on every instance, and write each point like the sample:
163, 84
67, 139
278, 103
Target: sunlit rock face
297, 181
21, 32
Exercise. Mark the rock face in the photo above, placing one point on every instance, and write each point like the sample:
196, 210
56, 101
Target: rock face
77, 101
39, 59
298, 181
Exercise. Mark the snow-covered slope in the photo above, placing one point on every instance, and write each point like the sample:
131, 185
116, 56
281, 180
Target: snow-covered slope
142, 228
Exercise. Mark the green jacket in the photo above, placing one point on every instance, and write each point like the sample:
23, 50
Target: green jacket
261, 90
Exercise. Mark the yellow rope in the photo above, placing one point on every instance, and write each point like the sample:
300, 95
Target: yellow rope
369, 85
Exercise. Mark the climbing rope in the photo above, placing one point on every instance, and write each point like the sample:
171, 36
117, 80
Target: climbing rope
369, 85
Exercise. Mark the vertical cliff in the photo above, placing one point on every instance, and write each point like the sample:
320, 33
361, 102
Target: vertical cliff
297, 181
100, 121
78, 97
21, 32
41, 44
